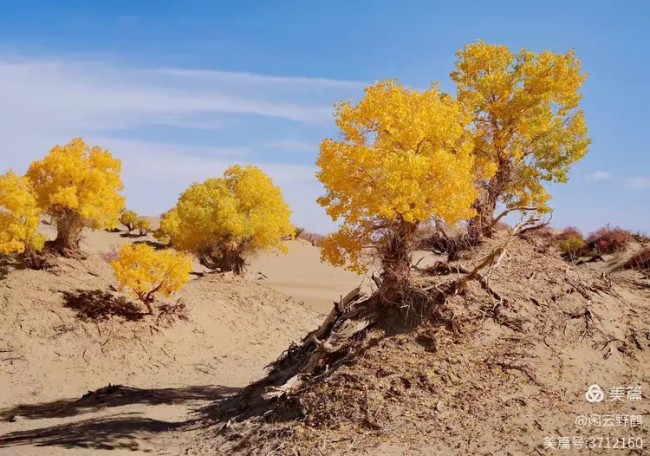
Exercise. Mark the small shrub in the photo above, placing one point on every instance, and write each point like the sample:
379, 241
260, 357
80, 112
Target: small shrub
313, 238
143, 226
111, 255
145, 272
169, 223
608, 240
297, 232
571, 242
129, 218
573, 246
640, 261
223, 220
568, 233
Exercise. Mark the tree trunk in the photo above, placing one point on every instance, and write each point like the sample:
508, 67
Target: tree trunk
396, 259
486, 204
225, 259
481, 225
68, 226
149, 307
147, 299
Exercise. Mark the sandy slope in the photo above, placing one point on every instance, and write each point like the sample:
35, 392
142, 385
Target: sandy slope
50, 357
489, 374
302, 275
55, 365
299, 274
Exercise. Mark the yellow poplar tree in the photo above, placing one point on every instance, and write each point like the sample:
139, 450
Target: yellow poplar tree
222, 219
79, 187
128, 218
19, 216
143, 226
168, 226
405, 156
145, 272
526, 123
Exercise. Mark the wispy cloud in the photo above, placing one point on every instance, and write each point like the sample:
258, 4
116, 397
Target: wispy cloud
46, 101
637, 183
154, 174
87, 94
240, 78
598, 176
293, 145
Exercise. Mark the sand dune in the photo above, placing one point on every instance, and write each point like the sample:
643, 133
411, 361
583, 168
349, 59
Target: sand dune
53, 353
302, 275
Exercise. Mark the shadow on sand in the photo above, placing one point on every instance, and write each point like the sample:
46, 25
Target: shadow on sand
122, 431
98, 305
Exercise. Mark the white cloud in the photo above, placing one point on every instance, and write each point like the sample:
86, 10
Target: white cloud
637, 183
46, 101
223, 77
91, 95
155, 174
599, 176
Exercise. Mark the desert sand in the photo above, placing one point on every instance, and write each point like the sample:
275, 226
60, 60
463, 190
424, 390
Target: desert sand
235, 326
84, 372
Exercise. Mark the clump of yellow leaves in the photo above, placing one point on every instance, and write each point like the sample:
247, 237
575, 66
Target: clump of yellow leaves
222, 219
146, 272
405, 156
128, 218
168, 226
19, 216
526, 123
79, 186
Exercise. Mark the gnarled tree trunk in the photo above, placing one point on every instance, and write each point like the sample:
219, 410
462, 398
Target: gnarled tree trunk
226, 259
483, 223
69, 225
396, 260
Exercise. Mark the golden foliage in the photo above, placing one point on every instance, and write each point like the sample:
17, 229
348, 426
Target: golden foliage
168, 226
525, 119
128, 218
79, 186
572, 246
19, 216
405, 157
221, 219
142, 225
145, 271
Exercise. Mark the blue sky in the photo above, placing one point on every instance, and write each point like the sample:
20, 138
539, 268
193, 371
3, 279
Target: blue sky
180, 90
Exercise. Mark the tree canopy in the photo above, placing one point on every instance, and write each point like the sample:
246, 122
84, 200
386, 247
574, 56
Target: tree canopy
222, 219
19, 216
79, 187
405, 156
526, 123
145, 272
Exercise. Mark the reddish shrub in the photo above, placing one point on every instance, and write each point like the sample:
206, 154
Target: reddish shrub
312, 238
609, 240
110, 255
570, 242
568, 233
640, 261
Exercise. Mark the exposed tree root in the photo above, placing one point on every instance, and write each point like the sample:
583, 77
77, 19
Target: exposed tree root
339, 339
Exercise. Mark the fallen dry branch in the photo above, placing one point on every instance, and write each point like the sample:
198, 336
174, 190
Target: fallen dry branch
323, 347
